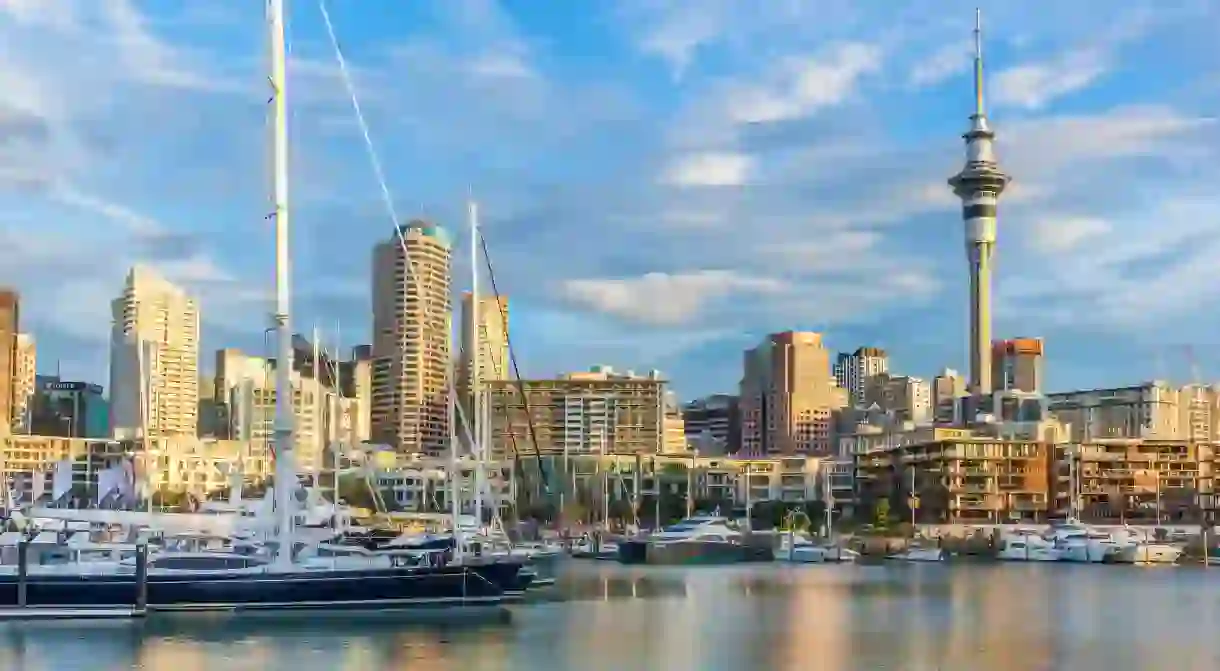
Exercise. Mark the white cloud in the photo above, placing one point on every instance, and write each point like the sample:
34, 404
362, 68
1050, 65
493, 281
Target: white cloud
1043, 151
1034, 85
805, 85
941, 64
1059, 234
663, 298
710, 169
679, 36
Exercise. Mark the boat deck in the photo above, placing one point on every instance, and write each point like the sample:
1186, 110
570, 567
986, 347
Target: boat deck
71, 613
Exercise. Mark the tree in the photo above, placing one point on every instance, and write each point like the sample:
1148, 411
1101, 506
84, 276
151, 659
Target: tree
168, 499
816, 512
881, 514
621, 510
355, 492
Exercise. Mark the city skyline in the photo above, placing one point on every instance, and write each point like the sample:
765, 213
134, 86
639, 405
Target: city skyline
632, 253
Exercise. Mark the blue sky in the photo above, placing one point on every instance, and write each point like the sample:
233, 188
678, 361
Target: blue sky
662, 182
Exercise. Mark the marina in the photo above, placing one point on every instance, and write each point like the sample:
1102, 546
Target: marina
416, 502
603, 616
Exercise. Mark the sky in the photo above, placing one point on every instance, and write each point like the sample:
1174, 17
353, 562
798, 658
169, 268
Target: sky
661, 183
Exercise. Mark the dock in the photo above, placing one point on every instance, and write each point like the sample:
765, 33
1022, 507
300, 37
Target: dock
28, 609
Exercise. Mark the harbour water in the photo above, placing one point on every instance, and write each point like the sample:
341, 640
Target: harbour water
604, 617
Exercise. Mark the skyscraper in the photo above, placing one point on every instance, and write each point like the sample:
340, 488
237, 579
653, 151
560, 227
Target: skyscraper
1016, 365
852, 371
154, 358
492, 333
25, 360
411, 339
979, 185
9, 323
788, 397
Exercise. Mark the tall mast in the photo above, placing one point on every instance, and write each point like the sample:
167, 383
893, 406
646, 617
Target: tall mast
476, 415
285, 463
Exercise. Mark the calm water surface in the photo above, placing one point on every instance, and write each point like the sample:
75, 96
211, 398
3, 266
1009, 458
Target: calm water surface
785, 618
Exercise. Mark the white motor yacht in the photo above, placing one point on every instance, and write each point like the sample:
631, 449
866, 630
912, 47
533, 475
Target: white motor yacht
1028, 547
799, 548
1083, 544
919, 553
1146, 552
697, 529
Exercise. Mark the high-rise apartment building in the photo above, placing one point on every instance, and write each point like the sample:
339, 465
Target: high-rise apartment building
492, 334
852, 371
1016, 365
245, 392
599, 411
25, 361
154, 358
905, 398
788, 397
713, 424
9, 324
411, 339
947, 388
356, 384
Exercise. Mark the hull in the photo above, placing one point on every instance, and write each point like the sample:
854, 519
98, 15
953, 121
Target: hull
357, 589
1085, 554
919, 555
1033, 554
692, 553
1149, 553
801, 555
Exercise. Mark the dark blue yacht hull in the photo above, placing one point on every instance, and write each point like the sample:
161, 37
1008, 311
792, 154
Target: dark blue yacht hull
299, 590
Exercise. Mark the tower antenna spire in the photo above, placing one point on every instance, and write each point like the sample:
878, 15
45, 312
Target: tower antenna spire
979, 109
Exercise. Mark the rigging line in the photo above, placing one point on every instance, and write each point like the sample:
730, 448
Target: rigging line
497, 365
388, 200
512, 358
348, 84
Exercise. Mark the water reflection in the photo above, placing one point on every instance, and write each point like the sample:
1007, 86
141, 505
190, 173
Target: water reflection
780, 618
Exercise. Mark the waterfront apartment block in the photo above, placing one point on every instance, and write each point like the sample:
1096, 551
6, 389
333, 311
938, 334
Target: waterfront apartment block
1137, 481
418, 483
1153, 410
788, 397
580, 413
183, 464
412, 323
954, 476
9, 324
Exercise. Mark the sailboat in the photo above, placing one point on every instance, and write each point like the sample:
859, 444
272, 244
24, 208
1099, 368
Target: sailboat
233, 581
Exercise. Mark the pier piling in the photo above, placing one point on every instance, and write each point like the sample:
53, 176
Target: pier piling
23, 571
141, 601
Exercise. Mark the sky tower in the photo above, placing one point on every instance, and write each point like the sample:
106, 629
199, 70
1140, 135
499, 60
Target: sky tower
979, 185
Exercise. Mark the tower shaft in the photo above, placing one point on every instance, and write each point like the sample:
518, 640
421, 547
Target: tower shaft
979, 184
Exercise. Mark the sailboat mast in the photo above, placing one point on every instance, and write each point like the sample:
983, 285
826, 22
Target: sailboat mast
476, 421
455, 502
285, 467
